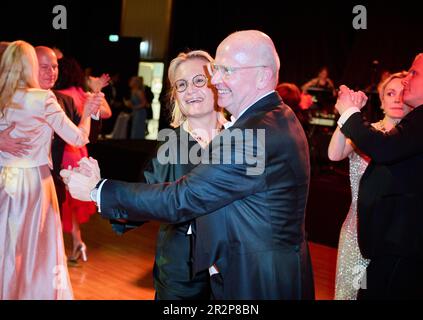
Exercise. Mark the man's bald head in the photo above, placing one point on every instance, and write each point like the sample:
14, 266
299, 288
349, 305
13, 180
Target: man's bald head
43, 50
252, 47
246, 69
48, 67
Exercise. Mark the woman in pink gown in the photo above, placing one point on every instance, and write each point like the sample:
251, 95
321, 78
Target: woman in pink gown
32, 255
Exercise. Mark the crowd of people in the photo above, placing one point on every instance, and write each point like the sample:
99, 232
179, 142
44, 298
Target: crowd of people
230, 191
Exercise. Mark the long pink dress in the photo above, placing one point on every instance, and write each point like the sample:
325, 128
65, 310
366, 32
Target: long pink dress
71, 155
32, 255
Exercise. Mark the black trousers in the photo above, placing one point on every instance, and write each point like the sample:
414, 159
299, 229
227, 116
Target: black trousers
393, 277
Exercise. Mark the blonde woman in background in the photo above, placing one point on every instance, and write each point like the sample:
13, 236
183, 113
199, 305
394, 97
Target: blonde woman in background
351, 265
32, 255
7, 144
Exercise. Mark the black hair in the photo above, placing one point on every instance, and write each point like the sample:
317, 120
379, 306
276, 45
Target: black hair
70, 74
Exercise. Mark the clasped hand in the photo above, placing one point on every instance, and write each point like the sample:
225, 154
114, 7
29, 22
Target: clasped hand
348, 98
82, 179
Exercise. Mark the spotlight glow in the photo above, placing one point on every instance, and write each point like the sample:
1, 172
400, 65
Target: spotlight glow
113, 38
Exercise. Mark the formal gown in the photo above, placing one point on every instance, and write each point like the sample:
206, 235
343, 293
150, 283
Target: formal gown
72, 154
32, 255
350, 263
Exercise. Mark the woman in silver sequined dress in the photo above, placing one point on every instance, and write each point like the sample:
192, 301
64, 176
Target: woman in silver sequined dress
351, 266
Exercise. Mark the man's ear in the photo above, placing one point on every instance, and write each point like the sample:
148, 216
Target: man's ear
264, 77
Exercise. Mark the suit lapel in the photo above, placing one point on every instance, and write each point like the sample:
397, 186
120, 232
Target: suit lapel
267, 103
418, 111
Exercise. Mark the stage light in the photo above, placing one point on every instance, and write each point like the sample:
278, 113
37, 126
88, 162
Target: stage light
144, 48
113, 38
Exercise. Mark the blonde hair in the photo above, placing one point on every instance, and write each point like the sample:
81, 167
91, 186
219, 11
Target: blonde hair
177, 116
3, 46
18, 69
383, 84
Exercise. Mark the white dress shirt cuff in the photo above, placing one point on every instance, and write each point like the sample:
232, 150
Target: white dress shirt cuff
213, 270
346, 115
96, 116
98, 198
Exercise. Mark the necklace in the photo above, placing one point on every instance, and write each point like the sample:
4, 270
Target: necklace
201, 135
380, 125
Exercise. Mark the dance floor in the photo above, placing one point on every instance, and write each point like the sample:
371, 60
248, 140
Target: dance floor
120, 267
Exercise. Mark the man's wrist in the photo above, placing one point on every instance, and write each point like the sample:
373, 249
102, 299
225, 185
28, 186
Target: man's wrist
94, 191
346, 115
93, 194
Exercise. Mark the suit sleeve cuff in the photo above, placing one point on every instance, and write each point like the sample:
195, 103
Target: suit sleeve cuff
346, 115
98, 198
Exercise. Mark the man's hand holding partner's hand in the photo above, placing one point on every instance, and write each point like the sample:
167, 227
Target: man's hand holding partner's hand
80, 181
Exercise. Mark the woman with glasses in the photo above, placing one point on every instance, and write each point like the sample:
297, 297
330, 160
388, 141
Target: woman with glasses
196, 119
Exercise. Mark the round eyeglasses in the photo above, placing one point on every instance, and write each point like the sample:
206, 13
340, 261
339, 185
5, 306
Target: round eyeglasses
199, 81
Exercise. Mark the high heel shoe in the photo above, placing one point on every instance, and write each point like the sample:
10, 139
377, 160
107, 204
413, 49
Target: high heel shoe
79, 253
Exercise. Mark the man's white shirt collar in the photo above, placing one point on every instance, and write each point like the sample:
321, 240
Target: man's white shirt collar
233, 119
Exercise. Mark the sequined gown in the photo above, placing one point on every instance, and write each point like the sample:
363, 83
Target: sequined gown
350, 264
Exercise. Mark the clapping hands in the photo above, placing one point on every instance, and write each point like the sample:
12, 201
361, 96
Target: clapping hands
96, 84
81, 180
348, 98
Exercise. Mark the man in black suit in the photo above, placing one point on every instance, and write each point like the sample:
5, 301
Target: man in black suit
248, 199
47, 77
390, 202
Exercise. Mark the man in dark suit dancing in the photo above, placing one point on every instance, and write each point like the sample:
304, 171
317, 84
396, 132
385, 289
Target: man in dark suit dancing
250, 207
390, 202
47, 77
